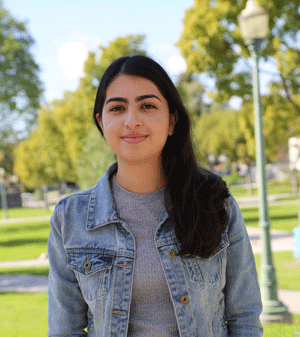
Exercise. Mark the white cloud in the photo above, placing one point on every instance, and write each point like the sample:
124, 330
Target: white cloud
82, 37
177, 65
71, 57
91, 41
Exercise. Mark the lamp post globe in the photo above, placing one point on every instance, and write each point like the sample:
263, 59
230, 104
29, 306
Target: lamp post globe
253, 22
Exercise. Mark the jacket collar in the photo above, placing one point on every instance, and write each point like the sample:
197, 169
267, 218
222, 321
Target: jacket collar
102, 208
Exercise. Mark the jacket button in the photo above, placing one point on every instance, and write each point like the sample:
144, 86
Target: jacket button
87, 264
171, 253
184, 299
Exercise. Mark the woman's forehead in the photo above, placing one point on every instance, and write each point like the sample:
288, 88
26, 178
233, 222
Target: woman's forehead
129, 85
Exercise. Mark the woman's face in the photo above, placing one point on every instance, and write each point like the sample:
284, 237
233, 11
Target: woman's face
136, 121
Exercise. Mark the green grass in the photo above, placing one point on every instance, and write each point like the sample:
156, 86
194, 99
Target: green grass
25, 315
284, 216
38, 271
287, 278
23, 241
26, 212
242, 192
283, 330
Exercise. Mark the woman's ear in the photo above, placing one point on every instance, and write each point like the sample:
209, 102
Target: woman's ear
99, 121
172, 122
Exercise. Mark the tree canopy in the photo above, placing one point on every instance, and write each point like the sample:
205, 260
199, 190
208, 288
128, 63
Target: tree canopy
20, 87
211, 43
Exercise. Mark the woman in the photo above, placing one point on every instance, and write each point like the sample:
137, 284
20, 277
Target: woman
158, 247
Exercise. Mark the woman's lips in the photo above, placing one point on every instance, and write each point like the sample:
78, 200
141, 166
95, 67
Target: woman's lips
134, 140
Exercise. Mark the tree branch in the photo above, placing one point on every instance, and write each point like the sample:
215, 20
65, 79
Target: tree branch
288, 95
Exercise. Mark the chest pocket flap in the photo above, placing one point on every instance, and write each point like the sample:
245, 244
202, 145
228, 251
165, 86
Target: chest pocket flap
92, 270
88, 263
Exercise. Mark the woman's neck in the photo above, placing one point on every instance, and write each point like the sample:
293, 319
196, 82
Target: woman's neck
140, 177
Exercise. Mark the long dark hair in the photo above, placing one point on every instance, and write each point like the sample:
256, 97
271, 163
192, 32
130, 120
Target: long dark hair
195, 198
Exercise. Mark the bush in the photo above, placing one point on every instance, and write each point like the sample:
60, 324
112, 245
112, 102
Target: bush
233, 178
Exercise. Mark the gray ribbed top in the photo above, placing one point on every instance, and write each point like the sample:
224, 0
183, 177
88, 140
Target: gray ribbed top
151, 311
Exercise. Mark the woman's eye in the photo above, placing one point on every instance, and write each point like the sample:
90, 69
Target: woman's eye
148, 106
116, 108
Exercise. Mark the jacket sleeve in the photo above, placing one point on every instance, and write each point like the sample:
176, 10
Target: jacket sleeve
67, 310
242, 294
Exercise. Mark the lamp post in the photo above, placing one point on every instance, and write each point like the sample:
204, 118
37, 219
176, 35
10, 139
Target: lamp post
3, 192
254, 27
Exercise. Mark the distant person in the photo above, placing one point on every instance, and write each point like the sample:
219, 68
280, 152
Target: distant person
158, 247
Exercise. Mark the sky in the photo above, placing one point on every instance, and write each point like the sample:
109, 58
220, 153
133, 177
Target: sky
66, 30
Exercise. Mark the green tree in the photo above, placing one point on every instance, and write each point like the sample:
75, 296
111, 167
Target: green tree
94, 159
211, 43
219, 133
191, 91
43, 157
20, 86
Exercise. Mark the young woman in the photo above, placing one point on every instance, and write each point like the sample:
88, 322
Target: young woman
158, 247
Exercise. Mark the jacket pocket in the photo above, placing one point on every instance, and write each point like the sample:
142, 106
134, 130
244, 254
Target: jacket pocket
92, 271
209, 270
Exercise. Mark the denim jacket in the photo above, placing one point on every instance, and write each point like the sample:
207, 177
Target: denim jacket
92, 254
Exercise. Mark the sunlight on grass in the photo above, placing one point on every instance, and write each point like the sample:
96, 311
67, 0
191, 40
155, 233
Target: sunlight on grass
23, 241
284, 217
283, 330
242, 192
287, 278
23, 315
38, 271
26, 212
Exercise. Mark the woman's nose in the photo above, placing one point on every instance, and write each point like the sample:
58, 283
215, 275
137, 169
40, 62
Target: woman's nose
132, 118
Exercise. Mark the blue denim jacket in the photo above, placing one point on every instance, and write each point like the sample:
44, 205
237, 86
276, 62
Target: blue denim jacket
92, 254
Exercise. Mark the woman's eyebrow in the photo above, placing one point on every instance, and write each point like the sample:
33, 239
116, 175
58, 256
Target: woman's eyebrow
139, 98
117, 99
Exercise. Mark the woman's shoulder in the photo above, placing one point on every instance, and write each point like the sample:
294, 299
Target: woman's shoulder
72, 204
75, 197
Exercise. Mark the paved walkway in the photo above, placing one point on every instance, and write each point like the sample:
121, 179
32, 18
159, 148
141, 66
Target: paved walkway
23, 283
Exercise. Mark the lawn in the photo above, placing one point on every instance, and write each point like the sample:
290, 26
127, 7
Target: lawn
287, 278
242, 192
25, 315
283, 330
26, 212
38, 271
23, 241
283, 216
